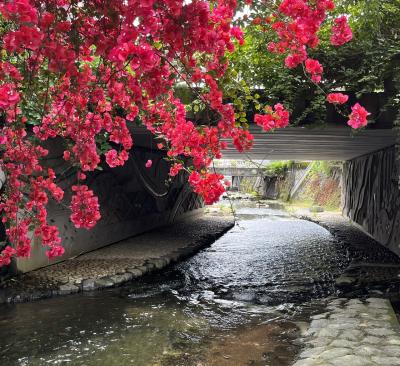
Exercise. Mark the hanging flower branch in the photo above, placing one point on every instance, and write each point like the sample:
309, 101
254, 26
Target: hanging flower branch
84, 71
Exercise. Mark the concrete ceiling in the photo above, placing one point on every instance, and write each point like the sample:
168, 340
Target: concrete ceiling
299, 143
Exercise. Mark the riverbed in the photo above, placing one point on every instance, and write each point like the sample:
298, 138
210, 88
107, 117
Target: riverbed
242, 301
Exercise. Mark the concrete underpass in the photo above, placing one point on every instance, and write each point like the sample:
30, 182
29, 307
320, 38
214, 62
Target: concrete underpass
370, 184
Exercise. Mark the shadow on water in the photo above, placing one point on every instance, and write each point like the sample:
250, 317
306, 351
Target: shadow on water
236, 303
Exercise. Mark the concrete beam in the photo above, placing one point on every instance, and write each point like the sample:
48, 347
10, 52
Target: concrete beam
330, 143
239, 172
300, 143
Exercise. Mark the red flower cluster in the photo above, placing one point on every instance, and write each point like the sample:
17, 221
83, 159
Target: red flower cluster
341, 32
114, 159
315, 69
208, 185
337, 98
301, 21
175, 169
275, 118
84, 207
6, 255
358, 117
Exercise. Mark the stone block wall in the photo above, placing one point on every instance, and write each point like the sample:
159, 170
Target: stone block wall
371, 196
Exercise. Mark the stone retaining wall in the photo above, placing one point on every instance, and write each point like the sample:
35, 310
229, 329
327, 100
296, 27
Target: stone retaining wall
371, 196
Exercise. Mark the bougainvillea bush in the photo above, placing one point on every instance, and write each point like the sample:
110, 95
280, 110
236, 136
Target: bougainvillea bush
84, 71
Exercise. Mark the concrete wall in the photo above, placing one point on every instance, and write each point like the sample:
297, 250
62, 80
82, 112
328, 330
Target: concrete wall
371, 196
133, 199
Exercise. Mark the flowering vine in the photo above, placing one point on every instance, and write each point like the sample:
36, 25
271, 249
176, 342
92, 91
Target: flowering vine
83, 72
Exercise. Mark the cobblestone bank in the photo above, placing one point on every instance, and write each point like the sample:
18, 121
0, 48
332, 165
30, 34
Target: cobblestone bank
373, 270
353, 333
119, 263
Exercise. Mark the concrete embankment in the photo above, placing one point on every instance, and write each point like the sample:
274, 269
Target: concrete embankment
119, 263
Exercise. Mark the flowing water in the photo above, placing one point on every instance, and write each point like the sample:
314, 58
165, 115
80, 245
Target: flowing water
239, 302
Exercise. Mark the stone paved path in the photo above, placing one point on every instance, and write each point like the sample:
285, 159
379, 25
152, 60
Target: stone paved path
118, 263
353, 333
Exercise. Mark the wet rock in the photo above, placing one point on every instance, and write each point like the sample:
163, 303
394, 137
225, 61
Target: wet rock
67, 289
392, 351
150, 266
380, 332
88, 285
351, 360
312, 353
244, 296
207, 295
136, 272
78, 281
320, 316
310, 362
386, 361
320, 341
394, 340
376, 302
143, 269
367, 350
121, 278
335, 353
103, 283
355, 302
371, 340
158, 263
328, 333
345, 281
351, 334
343, 343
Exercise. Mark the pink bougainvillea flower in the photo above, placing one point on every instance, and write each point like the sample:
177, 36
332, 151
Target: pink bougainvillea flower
358, 117
275, 118
341, 32
175, 169
337, 98
315, 69
84, 207
55, 251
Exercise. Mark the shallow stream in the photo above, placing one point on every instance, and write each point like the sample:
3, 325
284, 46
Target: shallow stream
242, 301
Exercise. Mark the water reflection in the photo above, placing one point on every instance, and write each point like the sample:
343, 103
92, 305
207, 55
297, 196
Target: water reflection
235, 303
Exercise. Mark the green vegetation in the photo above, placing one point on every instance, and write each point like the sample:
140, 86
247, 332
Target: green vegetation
370, 63
326, 168
280, 167
321, 187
